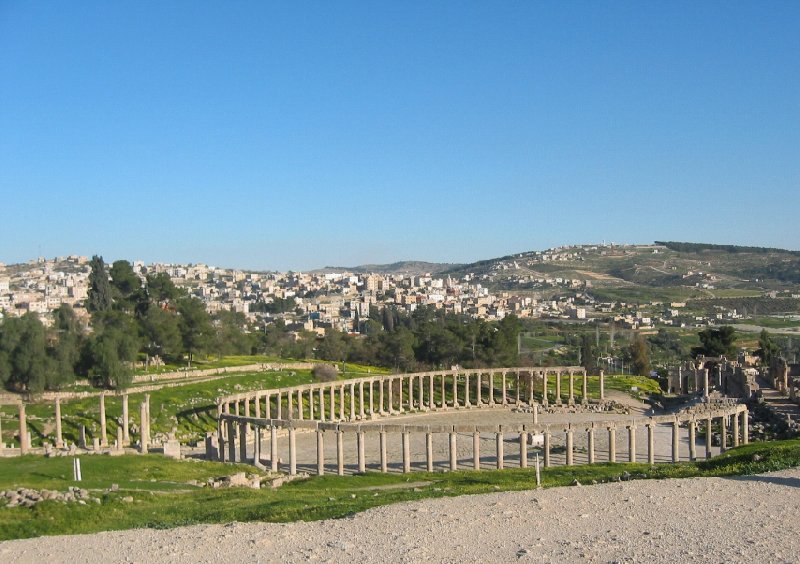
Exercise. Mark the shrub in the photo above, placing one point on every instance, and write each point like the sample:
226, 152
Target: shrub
325, 373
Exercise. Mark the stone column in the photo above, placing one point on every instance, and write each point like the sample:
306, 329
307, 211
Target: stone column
467, 403
558, 387
389, 386
236, 407
431, 402
221, 438
257, 446
612, 444
420, 389
292, 452
651, 444
547, 447
499, 442
602, 386
545, 401
143, 428
571, 400
103, 429
631, 443
491, 388
300, 415
120, 443
570, 446
504, 396
516, 388
411, 393
400, 407
705, 383
455, 390
406, 452
708, 438
384, 462
478, 399
59, 438
322, 403
585, 389
535, 413
257, 402
126, 435
82, 435
444, 397
23, 430
723, 424
745, 429
371, 399
362, 465
352, 402
273, 448
340, 453
361, 399
247, 405
289, 406
692, 440
381, 399
676, 428
268, 406
279, 405
332, 403
232, 453
735, 431
429, 451
311, 403
320, 452
523, 450
341, 402
476, 450
453, 452
590, 440
242, 442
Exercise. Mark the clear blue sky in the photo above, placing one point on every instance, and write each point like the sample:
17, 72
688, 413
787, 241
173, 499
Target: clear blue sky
295, 135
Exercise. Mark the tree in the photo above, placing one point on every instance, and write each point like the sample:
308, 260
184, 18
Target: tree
640, 356
588, 352
100, 296
716, 342
125, 285
334, 346
767, 348
112, 349
161, 333
23, 354
195, 325
66, 350
228, 337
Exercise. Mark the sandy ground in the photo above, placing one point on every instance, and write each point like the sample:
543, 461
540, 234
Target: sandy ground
748, 519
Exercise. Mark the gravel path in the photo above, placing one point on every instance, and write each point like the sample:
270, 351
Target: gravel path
749, 519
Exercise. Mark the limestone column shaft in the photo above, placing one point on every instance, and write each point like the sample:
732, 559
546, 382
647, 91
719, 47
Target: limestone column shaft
429, 451
257, 446
602, 386
651, 445
232, 453
708, 438
361, 413
545, 401
723, 428
478, 398
322, 404
523, 450
431, 402
332, 403
676, 428
289, 406
491, 388
420, 390
320, 453
570, 447
571, 399
692, 440
406, 453
268, 406
558, 388
23, 430
466, 390
476, 450
126, 434
590, 440
221, 439
745, 429
504, 390
103, 429
311, 404
279, 405
411, 393
381, 398
499, 444
143, 428
453, 452
352, 402
292, 452
59, 438
735, 430
632, 443
612, 444
300, 415
341, 403
362, 466
340, 453
455, 390
384, 461
242, 442
547, 448
444, 398
585, 389
257, 402
273, 448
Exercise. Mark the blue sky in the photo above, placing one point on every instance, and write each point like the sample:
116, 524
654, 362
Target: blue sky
296, 135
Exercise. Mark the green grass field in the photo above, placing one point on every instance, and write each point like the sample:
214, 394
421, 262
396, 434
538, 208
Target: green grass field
163, 498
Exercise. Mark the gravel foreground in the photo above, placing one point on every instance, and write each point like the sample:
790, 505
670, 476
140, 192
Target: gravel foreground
744, 519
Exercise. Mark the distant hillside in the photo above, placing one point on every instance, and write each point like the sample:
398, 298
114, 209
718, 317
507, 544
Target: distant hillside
699, 266
401, 267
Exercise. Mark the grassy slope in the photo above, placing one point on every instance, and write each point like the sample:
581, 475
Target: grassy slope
151, 480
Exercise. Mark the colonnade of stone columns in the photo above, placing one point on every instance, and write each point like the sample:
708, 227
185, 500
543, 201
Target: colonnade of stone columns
353, 400
237, 436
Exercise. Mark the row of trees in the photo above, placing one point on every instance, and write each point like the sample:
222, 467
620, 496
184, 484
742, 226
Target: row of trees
129, 319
